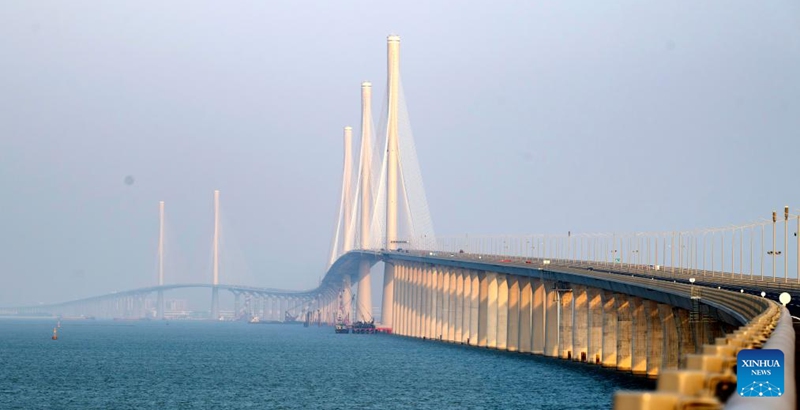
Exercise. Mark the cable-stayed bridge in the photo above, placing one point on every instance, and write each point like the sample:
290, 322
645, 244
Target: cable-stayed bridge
677, 305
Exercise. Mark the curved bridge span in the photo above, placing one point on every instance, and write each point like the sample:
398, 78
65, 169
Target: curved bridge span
683, 327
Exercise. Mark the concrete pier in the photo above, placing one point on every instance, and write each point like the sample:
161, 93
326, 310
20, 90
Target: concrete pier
552, 318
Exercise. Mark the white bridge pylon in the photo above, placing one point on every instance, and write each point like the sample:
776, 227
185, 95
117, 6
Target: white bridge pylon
382, 205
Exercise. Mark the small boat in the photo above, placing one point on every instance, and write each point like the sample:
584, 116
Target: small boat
55, 333
342, 328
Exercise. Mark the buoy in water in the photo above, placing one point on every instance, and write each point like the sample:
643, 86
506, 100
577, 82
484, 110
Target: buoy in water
55, 333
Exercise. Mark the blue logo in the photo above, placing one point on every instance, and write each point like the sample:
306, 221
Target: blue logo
759, 373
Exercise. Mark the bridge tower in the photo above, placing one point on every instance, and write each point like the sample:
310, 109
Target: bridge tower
215, 289
364, 295
393, 85
347, 211
160, 300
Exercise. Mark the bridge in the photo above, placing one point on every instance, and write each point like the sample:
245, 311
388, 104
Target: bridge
674, 306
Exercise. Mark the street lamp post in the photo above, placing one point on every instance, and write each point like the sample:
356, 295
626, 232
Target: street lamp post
704, 252
774, 219
722, 253
680, 253
712, 253
752, 228
786, 244
672, 258
762, 251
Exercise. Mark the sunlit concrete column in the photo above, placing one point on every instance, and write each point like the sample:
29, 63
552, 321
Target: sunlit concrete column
399, 271
323, 310
388, 303
639, 333
326, 310
421, 300
398, 299
465, 305
565, 326
440, 308
395, 311
364, 295
435, 307
595, 342
502, 311
552, 322
451, 316
525, 299
483, 309
445, 315
686, 338
475, 307
544, 324
426, 301
406, 319
512, 340
580, 324
624, 332
431, 302
409, 300
420, 328
347, 298
610, 315
670, 351
459, 306
491, 311
655, 340
414, 300
430, 308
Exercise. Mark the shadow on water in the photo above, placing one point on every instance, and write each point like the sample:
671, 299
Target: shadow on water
626, 381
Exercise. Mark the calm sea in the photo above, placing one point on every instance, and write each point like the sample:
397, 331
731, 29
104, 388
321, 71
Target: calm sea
200, 365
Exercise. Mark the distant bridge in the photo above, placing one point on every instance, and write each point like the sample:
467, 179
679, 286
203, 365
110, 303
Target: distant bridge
270, 303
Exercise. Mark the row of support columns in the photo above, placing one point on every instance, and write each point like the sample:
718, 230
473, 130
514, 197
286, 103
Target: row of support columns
267, 307
532, 315
246, 304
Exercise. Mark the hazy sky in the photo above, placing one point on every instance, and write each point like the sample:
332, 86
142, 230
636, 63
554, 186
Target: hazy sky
529, 117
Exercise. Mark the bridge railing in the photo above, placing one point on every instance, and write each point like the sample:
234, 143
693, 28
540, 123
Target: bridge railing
736, 250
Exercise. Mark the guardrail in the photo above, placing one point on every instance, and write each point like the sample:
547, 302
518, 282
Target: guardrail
708, 379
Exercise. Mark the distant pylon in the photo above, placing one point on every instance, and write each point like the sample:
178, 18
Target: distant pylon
347, 213
347, 196
160, 298
214, 289
364, 295
343, 238
393, 84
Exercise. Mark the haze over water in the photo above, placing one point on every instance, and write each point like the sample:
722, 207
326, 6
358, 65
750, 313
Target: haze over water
188, 365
